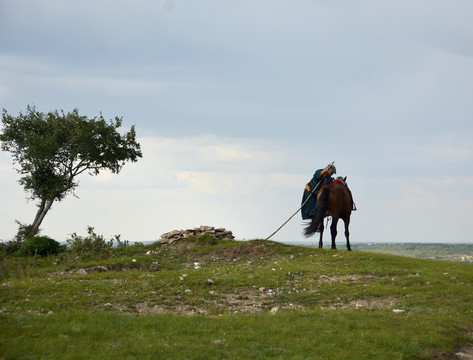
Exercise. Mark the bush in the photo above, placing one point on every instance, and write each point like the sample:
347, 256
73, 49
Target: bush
92, 243
40, 245
10, 248
204, 239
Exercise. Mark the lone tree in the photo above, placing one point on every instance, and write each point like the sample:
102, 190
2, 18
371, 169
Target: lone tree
52, 149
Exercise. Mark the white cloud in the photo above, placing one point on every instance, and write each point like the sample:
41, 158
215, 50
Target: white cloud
213, 164
242, 101
449, 154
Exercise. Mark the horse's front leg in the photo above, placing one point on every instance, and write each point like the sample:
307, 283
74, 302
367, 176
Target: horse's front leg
333, 231
321, 234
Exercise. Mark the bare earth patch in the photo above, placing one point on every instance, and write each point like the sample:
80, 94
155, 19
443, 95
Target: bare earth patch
370, 303
244, 300
246, 250
344, 278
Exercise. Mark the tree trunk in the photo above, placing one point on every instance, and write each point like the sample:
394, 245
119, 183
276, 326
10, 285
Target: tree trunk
44, 207
42, 211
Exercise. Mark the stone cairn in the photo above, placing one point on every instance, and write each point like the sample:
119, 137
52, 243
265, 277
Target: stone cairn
176, 235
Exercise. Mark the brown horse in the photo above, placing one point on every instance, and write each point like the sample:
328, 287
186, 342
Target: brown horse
333, 200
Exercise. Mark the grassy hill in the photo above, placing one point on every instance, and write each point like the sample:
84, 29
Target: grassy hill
209, 299
448, 252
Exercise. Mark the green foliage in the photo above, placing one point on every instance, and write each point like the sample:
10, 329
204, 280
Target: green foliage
92, 243
10, 248
52, 149
204, 239
40, 245
25, 231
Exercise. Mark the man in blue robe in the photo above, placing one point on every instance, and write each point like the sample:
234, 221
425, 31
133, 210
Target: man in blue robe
321, 177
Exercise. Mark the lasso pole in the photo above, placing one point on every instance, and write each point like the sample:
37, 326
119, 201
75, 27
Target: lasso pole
299, 208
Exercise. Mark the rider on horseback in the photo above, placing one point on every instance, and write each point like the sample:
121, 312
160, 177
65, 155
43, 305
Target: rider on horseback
321, 177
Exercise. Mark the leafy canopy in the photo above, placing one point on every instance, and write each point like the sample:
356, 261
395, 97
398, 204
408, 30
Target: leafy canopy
52, 149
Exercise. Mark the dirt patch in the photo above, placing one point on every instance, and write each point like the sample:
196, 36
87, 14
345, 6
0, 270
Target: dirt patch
345, 278
247, 300
101, 268
247, 250
462, 354
370, 303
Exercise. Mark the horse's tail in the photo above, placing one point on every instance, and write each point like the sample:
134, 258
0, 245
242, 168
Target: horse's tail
320, 211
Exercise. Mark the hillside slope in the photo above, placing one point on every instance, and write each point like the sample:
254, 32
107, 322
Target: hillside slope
204, 299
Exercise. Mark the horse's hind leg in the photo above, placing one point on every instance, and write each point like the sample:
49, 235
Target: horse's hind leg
333, 231
321, 234
347, 233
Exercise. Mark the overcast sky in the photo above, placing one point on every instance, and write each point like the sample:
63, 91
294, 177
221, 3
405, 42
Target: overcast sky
237, 103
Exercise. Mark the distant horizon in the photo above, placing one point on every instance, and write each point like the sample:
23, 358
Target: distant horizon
293, 242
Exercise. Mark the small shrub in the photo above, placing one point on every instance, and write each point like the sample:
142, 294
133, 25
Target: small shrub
93, 243
204, 239
25, 232
10, 248
40, 245
121, 244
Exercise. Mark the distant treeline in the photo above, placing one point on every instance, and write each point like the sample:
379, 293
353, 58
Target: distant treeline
450, 252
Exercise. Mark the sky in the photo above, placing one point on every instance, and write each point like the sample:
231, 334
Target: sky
237, 103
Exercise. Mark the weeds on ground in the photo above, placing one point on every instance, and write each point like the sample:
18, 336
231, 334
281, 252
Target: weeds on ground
254, 299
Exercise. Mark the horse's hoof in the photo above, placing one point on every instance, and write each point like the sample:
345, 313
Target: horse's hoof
334, 248
348, 249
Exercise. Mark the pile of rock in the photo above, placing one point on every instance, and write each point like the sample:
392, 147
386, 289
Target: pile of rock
176, 235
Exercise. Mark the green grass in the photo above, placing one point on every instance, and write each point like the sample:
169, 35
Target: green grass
450, 252
264, 300
313, 334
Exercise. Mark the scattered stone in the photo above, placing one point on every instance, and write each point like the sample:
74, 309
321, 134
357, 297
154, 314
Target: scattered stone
398, 311
209, 282
81, 272
176, 235
100, 268
462, 355
274, 310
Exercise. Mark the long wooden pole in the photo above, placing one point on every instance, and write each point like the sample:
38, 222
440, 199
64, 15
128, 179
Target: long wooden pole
270, 236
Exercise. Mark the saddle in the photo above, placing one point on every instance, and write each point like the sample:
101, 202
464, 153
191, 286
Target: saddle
343, 181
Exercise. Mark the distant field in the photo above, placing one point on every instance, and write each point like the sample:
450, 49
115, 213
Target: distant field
449, 252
